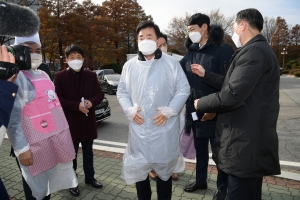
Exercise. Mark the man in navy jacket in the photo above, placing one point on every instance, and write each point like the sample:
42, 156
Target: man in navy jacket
8, 92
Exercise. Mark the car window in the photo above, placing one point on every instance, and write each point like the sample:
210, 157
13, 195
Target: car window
114, 77
108, 71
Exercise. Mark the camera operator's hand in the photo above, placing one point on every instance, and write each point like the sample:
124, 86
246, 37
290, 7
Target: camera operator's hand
13, 78
6, 56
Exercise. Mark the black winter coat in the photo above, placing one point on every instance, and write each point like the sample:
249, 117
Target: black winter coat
246, 143
214, 56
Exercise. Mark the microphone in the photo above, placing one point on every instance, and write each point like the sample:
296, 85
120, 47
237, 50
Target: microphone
16, 20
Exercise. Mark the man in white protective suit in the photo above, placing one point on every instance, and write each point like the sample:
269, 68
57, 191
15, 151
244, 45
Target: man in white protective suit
152, 91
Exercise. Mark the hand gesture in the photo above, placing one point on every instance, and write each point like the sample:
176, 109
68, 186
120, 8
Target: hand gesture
6, 56
195, 103
160, 119
138, 118
13, 78
88, 104
83, 109
198, 69
208, 116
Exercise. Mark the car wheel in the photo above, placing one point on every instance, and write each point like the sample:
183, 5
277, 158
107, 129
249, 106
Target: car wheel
109, 90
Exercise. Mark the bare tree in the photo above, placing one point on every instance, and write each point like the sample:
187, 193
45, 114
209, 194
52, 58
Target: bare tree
225, 21
269, 28
177, 33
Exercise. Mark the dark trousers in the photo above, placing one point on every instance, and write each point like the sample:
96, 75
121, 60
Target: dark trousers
244, 188
88, 159
164, 189
27, 190
202, 157
3, 192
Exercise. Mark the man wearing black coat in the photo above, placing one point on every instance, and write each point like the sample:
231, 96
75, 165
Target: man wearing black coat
205, 47
246, 144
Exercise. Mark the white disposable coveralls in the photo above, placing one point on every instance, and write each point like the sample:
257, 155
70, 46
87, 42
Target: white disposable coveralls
148, 85
62, 176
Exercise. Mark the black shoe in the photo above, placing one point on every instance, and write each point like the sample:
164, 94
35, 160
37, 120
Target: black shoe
220, 195
94, 183
193, 187
74, 191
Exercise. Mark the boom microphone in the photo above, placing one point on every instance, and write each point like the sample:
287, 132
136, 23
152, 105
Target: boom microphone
16, 20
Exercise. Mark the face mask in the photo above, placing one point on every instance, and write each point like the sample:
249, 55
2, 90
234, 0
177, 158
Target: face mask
75, 65
195, 36
147, 47
236, 39
164, 49
36, 60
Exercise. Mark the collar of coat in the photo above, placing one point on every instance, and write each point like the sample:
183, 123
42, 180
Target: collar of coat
72, 70
257, 38
157, 55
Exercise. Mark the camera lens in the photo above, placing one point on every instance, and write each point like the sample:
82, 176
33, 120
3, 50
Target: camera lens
22, 56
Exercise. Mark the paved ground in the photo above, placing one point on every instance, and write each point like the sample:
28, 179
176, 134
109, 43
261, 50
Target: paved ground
108, 168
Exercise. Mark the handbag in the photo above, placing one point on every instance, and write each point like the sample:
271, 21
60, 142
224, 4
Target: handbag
187, 146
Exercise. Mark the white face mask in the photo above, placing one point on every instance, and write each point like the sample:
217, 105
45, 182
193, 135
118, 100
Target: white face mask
75, 65
147, 47
195, 36
36, 60
236, 39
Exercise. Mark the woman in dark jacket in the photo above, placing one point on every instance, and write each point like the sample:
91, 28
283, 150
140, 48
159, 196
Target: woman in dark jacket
210, 52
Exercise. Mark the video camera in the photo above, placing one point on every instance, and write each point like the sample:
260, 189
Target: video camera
22, 58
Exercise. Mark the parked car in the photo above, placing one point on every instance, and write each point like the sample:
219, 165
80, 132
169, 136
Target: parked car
104, 71
109, 83
102, 110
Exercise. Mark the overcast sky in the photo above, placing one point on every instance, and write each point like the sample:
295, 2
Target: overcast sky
163, 11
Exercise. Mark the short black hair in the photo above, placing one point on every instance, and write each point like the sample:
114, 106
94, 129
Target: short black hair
252, 16
72, 49
146, 24
199, 19
164, 36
